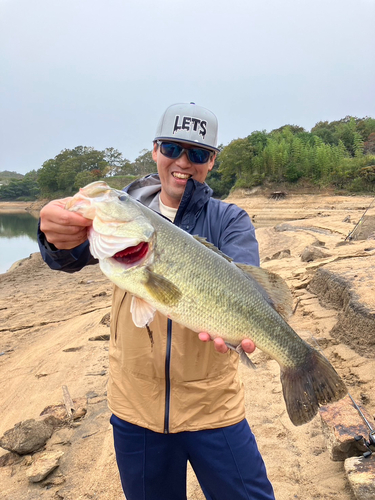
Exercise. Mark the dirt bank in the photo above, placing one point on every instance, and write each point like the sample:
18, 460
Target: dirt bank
48, 318
32, 207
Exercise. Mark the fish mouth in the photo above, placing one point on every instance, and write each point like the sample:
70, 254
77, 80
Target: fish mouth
132, 255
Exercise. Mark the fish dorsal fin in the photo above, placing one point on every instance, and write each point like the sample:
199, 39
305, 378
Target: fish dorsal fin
211, 246
163, 290
142, 312
273, 288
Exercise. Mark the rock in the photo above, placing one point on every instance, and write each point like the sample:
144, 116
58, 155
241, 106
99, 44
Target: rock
311, 253
27, 436
346, 287
57, 480
341, 423
43, 465
59, 411
365, 229
100, 337
27, 460
79, 413
361, 475
285, 227
106, 319
9, 459
73, 349
62, 437
281, 255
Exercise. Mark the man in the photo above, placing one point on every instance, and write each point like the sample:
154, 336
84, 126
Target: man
183, 400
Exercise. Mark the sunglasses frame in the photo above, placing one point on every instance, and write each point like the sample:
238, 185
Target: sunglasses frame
185, 150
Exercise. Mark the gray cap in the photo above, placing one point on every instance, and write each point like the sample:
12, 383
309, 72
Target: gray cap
188, 123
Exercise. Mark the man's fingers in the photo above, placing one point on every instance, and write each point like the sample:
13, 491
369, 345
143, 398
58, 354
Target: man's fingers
53, 227
64, 229
66, 241
219, 343
248, 346
54, 214
220, 346
204, 337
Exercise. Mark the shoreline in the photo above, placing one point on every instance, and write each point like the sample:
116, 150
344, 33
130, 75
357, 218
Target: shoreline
22, 206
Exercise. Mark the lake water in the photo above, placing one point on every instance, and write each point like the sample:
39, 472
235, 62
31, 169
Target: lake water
17, 238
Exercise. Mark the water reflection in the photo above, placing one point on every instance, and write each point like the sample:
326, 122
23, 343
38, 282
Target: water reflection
19, 224
17, 238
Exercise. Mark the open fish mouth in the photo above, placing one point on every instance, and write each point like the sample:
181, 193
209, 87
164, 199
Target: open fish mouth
132, 255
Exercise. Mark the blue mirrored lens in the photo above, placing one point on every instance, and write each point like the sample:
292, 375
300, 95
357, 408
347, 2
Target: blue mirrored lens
198, 155
171, 150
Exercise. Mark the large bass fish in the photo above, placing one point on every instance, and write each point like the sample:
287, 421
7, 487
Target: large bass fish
191, 282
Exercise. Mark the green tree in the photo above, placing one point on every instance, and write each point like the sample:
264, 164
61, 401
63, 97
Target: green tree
59, 174
144, 163
235, 163
116, 163
20, 189
369, 145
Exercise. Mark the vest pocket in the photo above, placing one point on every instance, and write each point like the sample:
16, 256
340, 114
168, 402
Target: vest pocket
117, 301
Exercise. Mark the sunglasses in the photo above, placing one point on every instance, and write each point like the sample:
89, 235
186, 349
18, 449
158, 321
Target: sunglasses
174, 150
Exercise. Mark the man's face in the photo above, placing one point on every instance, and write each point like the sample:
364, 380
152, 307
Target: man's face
174, 174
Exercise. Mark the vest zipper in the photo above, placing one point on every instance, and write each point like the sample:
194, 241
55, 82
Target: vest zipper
167, 377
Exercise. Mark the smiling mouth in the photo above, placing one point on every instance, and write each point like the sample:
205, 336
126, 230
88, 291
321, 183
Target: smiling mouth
180, 175
131, 255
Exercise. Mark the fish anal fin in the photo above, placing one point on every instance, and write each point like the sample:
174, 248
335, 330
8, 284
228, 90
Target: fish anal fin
244, 358
212, 247
161, 289
273, 287
142, 312
309, 386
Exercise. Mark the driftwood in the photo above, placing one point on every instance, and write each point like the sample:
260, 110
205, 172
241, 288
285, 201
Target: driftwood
278, 195
68, 402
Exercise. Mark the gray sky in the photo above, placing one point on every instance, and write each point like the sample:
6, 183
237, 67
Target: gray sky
101, 72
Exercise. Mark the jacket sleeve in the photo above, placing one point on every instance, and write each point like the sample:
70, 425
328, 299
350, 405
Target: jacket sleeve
237, 238
68, 261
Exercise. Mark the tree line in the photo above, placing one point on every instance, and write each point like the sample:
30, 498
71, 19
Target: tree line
340, 154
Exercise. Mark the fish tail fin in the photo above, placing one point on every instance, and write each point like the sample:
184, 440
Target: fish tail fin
310, 385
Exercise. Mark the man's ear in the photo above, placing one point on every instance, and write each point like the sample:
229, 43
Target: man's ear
212, 162
155, 151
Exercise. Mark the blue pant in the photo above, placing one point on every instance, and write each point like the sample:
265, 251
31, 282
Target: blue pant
226, 462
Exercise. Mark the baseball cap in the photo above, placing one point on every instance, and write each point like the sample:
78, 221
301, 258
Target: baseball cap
188, 123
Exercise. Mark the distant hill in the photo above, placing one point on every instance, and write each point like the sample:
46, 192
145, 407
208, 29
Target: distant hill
6, 176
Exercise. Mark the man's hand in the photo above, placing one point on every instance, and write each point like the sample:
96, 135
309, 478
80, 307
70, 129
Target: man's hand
247, 344
62, 228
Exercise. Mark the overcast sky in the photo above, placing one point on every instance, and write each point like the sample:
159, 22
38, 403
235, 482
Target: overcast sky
101, 72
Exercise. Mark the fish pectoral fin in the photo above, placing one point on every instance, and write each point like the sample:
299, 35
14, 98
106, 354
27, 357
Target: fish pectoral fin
243, 356
273, 288
163, 290
142, 312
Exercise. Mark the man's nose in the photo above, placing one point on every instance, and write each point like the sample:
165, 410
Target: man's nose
183, 161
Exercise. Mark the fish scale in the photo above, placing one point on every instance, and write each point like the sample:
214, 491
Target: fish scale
198, 287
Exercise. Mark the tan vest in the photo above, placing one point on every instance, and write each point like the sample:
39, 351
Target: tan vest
205, 390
